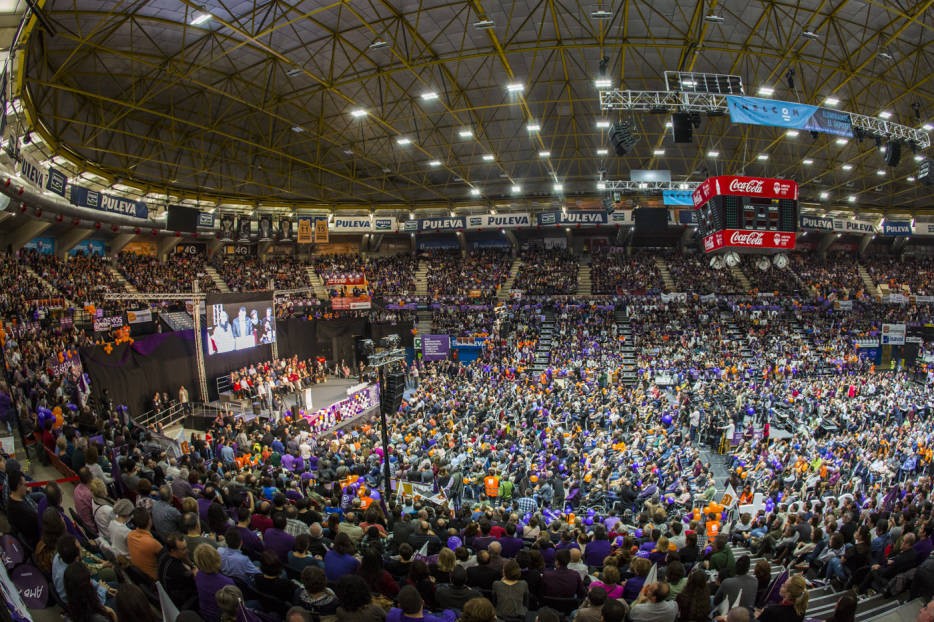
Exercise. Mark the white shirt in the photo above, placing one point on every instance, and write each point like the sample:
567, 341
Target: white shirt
118, 533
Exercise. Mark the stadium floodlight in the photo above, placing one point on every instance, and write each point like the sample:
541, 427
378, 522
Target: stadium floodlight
465, 133
807, 161
475, 192
435, 163
488, 157
544, 154
713, 154
515, 87
602, 125
357, 113
831, 101
201, 19
885, 114
847, 167
516, 189
603, 83
429, 96
766, 91
602, 152
402, 140
533, 126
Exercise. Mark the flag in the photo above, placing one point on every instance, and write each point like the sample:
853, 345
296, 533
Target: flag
739, 597
723, 609
169, 610
729, 497
652, 577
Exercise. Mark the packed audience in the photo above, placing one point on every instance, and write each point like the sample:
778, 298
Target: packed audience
834, 277
548, 272
458, 278
148, 274
693, 273
79, 277
252, 274
908, 275
518, 495
613, 271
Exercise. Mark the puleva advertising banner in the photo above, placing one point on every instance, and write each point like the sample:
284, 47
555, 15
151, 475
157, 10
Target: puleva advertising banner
82, 197
500, 221
758, 111
363, 224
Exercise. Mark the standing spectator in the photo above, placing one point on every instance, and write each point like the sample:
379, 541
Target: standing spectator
143, 548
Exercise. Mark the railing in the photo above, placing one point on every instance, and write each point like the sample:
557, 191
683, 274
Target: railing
223, 384
165, 417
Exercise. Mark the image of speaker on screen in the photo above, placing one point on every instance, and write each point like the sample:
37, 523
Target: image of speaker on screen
245, 228
268, 327
220, 338
285, 228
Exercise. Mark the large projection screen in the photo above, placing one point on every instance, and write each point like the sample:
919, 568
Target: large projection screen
239, 321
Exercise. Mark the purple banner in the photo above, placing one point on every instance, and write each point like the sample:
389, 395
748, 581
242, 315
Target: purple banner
31, 585
409, 306
436, 347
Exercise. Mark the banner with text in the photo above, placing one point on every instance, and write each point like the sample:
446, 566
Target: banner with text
499, 221
758, 111
591, 219
436, 347
363, 224
896, 227
677, 197
82, 197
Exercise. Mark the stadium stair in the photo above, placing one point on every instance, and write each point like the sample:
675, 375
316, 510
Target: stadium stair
543, 347
503, 293
178, 320
663, 270
421, 279
423, 323
734, 334
629, 374
740, 277
317, 284
119, 278
584, 286
871, 288
221, 284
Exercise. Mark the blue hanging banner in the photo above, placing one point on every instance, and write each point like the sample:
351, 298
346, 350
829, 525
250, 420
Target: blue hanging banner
677, 197
83, 197
56, 181
896, 227
758, 111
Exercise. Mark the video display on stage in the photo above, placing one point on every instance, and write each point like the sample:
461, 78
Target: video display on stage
239, 321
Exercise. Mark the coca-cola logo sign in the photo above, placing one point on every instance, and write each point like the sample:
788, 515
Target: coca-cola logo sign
739, 238
751, 186
747, 238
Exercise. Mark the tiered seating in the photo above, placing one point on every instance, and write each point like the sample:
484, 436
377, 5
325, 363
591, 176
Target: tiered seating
148, 274
615, 272
251, 274
692, 273
453, 277
547, 273
910, 275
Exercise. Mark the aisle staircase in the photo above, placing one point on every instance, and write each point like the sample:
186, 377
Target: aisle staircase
215, 276
629, 374
122, 280
665, 273
48, 286
871, 288
543, 347
503, 293
423, 322
733, 333
321, 292
584, 286
178, 320
740, 277
421, 278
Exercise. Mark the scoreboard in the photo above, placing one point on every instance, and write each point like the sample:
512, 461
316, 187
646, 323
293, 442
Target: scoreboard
752, 213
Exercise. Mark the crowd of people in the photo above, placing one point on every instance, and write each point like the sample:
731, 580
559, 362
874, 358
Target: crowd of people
252, 274
615, 272
455, 277
516, 494
909, 275
547, 272
149, 274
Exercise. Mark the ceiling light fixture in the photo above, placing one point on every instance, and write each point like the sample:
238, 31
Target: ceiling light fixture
558, 187
714, 19
429, 96
763, 156
475, 191
810, 34
402, 140
200, 19
601, 185
847, 167
603, 83
435, 163
713, 154
824, 195
885, 114
831, 101
516, 189
909, 178
489, 157
298, 129
602, 125
841, 141
356, 113
544, 154
515, 87
379, 43
766, 91
484, 24
603, 152
533, 126
880, 173
852, 198
919, 157
927, 127
659, 152
601, 15
807, 162
465, 133
792, 133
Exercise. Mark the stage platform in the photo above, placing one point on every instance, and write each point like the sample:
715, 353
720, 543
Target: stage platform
322, 395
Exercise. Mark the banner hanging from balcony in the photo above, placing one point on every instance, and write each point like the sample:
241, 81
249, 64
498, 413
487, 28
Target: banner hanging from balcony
83, 197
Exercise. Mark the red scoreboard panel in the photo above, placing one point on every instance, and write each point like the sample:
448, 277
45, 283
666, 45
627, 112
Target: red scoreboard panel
751, 213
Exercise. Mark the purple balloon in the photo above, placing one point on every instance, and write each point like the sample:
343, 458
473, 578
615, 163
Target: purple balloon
454, 542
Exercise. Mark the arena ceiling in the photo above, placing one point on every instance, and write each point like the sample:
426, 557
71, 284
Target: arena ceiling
253, 100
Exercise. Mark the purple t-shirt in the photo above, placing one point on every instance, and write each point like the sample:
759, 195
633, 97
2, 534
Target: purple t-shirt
208, 585
279, 542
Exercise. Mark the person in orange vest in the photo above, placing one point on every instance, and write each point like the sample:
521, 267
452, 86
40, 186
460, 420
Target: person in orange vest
491, 485
713, 526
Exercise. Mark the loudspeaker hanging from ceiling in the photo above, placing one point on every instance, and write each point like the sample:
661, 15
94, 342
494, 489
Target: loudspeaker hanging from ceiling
683, 127
622, 138
893, 153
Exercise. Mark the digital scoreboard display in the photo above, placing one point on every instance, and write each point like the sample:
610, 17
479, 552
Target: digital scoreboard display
745, 208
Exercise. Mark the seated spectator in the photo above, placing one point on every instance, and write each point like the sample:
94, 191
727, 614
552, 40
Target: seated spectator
511, 592
270, 582
411, 607
653, 605
591, 610
356, 603
234, 563
299, 557
143, 548
694, 600
315, 595
377, 578
208, 581
562, 582
457, 593
84, 605
339, 561
794, 603
176, 572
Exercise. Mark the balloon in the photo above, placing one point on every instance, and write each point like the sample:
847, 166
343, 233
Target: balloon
454, 542
59, 421
72, 407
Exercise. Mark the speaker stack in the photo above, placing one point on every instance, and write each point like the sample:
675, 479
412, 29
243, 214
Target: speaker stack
893, 153
390, 398
925, 174
683, 127
622, 138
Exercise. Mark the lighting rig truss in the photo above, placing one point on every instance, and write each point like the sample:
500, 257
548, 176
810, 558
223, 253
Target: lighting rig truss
715, 105
630, 186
